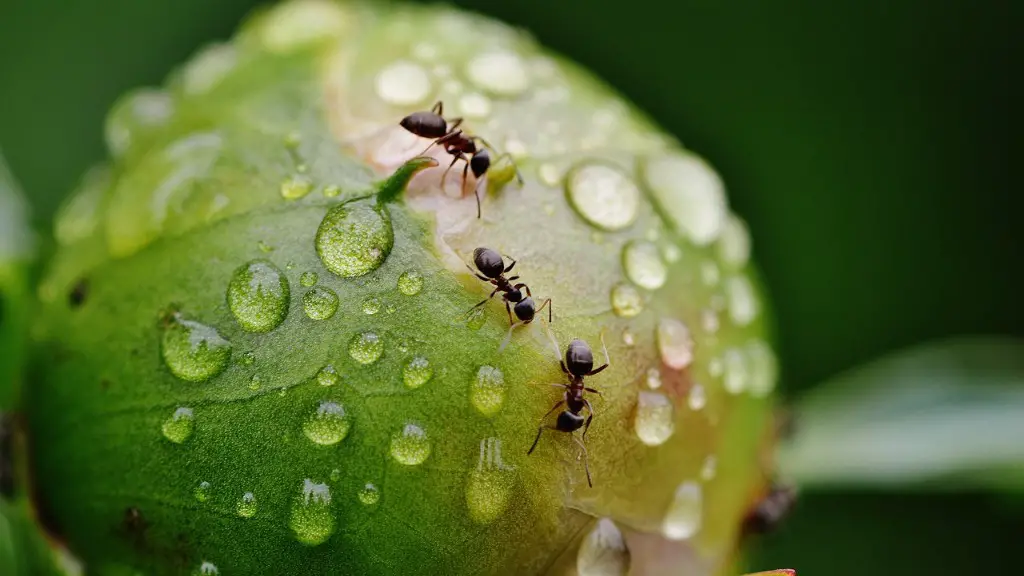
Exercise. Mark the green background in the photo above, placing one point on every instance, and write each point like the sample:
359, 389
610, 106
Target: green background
865, 141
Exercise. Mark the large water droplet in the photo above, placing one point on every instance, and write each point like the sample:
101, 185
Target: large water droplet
258, 296
689, 193
369, 494
403, 83
743, 305
179, 426
246, 506
417, 372
366, 347
371, 306
735, 372
354, 238
626, 300
256, 382
604, 196
499, 72
684, 515
487, 392
192, 351
643, 264
490, 484
311, 520
603, 552
289, 26
309, 279
764, 368
206, 569
654, 421
410, 283
137, 113
320, 303
674, 343
410, 445
709, 468
697, 398
734, 243
328, 376
202, 491
328, 425
296, 186
474, 105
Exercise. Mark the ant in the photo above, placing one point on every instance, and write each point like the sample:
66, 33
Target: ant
444, 132
492, 270
578, 363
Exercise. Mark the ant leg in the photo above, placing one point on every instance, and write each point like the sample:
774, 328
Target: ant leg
586, 460
454, 123
518, 286
586, 425
445, 175
477, 274
519, 177
607, 361
476, 190
537, 439
509, 267
481, 303
511, 278
438, 108
592, 391
508, 309
553, 408
547, 302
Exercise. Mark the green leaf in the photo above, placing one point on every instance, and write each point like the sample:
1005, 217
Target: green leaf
23, 549
17, 249
939, 416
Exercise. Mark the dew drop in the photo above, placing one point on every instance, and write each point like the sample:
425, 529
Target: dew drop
626, 300
264, 247
734, 243
709, 468
320, 303
331, 191
674, 343
490, 484
764, 368
328, 425
499, 72
328, 376
206, 569
403, 83
192, 351
417, 372
743, 305
653, 378
690, 194
628, 338
354, 238
247, 358
311, 519
246, 506
683, 518
137, 113
734, 371
709, 321
202, 492
258, 296
335, 475
643, 264
549, 174
371, 306
296, 186
410, 445
290, 26
710, 275
410, 283
369, 494
366, 347
654, 421
79, 216
697, 398
474, 105
309, 279
179, 426
255, 383
671, 253
487, 392
604, 196
603, 551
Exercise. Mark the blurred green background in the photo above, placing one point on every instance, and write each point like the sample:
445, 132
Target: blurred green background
867, 142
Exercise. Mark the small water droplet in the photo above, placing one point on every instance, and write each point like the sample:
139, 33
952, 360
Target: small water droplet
328, 425
487, 392
684, 515
643, 265
715, 367
689, 193
628, 338
179, 426
264, 247
654, 421
202, 492
302, 168
328, 376
417, 372
697, 398
371, 306
549, 174
247, 358
206, 569
489, 485
710, 275
309, 279
709, 321
192, 351
653, 378
476, 319
403, 83
475, 105
735, 371
603, 552
410, 283
709, 468
410, 445
255, 383
296, 186
366, 347
424, 51
764, 368
734, 243
499, 72
369, 494
354, 238
311, 519
246, 506
626, 300
331, 191
671, 253
320, 303
674, 343
604, 196
292, 140
743, 304
335, 475
258, 296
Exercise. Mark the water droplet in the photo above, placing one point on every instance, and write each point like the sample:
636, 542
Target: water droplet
603, 552
709, 468
549, 174
653, 378
371, 306
202, 492
697, 398
369, 494
735, 371
366, 347
410, 283
764, 368
246, 506
628, 338
654, 421
604, 196
135, 114
258, 296
674, 343
417, 372
734, 243
296, 186
331, 191
255, 383
476, 319
487, 392
311, 520
206, 569
335, 475
499, 72
489, 485
626, 300
403, 83
328, 425
743, 305
709, 273
328, 376
247, 358
192, 351
354, 238
264, 247
207, 68
709, 321
689, 193
683, 518
302, 168
320, 303
179, 426
79, 216
643, 265
474, 105
290, 26
424, 51
410, 445
715, 367
309, 279
671, 253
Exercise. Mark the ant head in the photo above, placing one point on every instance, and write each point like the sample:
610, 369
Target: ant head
489, 262
569, 422
525, 309
480, 162
578, 358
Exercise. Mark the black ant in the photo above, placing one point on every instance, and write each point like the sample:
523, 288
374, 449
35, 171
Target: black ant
492, 270
578, 363
444, 132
